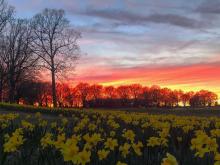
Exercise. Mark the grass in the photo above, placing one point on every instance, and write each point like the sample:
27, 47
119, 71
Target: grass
180, 111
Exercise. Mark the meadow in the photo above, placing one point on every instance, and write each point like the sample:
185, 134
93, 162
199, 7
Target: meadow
65, 137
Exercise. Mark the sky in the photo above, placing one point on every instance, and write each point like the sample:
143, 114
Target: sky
173, 44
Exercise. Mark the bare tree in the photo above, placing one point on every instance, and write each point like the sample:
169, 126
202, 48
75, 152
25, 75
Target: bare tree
3, 74
16, 54
82, 90
55, 43
5, 14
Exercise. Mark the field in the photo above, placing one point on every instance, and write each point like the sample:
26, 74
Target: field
39, 136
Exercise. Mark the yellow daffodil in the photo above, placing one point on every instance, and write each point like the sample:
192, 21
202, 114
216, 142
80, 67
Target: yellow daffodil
16, 140
111, 143
103, 154
124, 149
169, 160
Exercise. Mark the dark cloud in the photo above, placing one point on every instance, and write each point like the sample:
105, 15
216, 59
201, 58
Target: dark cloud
209, 7
173, 19
132, 18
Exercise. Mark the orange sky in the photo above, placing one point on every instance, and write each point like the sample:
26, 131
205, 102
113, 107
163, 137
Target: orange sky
192, 77
188, 77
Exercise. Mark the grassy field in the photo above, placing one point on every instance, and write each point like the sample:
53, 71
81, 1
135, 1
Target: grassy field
180, 111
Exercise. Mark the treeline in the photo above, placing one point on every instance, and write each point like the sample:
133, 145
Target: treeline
95, 95
45, 42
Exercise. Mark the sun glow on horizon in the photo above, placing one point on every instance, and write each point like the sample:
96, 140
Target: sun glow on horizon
187, 78
183, 87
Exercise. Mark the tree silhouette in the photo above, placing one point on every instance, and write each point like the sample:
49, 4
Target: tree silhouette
16, 53
6, 13
55, 43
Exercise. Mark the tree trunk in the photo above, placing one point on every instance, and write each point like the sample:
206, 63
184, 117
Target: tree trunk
1, 91
46, 102
11, 92
11, 87
54, 89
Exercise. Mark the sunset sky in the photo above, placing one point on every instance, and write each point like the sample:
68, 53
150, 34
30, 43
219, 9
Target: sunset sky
172, 43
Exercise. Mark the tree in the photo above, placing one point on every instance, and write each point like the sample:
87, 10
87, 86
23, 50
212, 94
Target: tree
82, 90
95, 94
186, 98
155, 95
43, 93
55, 43
166, 96
34, 91
124, 94
110, 92
211, 98
64, 95
69, 96
16, 53
5, 14
109, 96
203, 98
27, 91
177, 94
136, 90
3, 75
145, 97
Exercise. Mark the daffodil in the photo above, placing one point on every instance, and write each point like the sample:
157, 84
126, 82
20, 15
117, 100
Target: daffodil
47, 140
129, 135
83, 157
124, 149
103, 154
27, 125
111, 143
121, 163
14, 142
169, 160
70, 150
137, 148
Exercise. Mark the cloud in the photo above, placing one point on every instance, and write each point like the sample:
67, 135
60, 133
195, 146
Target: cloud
173, 19
128, 17
209, 7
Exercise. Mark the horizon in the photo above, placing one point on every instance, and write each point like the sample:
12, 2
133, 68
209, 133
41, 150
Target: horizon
125, 42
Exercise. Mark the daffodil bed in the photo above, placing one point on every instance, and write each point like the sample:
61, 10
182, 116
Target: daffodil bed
114, 138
